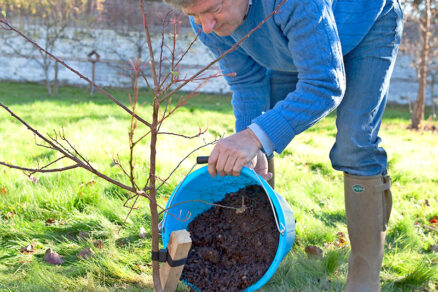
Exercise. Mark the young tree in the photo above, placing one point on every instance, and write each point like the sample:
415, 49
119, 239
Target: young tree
163, 87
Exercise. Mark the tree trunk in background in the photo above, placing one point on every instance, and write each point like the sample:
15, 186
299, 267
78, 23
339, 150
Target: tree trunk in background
432, 95
418, 114
91, 6
55, 81
46, 75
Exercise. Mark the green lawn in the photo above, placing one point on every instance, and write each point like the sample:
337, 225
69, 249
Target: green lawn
85, 208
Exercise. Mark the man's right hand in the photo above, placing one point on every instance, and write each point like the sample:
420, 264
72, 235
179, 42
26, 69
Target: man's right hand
232, 153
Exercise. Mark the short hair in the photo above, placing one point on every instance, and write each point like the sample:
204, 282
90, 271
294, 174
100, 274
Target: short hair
180, 3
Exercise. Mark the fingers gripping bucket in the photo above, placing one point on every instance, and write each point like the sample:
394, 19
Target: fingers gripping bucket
199, 185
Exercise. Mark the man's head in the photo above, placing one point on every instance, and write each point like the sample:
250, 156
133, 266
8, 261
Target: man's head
219, 16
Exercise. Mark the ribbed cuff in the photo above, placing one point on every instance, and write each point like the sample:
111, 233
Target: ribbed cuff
277, 129
267, 145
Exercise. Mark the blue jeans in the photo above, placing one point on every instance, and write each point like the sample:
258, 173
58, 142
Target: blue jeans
368, 70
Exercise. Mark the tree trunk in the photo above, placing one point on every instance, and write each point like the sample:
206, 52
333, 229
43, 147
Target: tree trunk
432, 95
46, 75
55, 81
418, 115
152, 200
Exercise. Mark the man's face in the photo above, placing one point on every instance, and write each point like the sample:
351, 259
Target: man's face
219, 16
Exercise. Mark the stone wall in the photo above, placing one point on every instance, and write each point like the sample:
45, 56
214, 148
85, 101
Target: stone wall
20, 62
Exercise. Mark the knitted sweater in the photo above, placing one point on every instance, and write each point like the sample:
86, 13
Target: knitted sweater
306, 36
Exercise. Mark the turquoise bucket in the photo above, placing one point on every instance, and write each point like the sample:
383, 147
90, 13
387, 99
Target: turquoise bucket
199, 185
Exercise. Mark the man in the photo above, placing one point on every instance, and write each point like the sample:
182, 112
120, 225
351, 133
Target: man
309, 58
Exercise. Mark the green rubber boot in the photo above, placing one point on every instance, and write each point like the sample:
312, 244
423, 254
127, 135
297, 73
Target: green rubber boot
368, 203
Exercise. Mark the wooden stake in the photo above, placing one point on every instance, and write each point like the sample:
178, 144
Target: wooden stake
178, 248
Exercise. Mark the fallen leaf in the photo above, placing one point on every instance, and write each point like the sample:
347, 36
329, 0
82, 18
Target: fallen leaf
27, 249
91, 182
434, 221
142, 233
98, 244
53, 257
313, 251
9, 215
120, 242
342, 241
50, 221
143, 268
85, 254
4, 190
433, 248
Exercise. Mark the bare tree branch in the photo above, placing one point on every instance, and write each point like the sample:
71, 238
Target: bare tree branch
201, 132
35, 170
67, 154
151, 51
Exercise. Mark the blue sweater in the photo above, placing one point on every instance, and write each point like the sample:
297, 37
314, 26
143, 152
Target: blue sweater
306, 36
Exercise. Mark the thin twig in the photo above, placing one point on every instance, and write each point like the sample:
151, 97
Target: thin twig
53, 162
430, 227
151, 51
201, 201
183, 100
183, 136
179, 164
77, 152
129, 213
164, 113
33, 170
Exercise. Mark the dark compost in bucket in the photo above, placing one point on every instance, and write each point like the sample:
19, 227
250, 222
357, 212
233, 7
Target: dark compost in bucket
232, 250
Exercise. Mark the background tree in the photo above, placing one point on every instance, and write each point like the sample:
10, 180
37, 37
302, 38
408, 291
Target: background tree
423, 49
46, 21
433, 67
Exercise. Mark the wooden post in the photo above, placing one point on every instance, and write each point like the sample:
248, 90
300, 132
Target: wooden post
93, 57
178, 248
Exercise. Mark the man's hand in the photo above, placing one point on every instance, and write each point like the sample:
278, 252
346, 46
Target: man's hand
260, 165
232, 153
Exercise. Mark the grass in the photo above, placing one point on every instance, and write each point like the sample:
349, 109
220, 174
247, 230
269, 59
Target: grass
86, 208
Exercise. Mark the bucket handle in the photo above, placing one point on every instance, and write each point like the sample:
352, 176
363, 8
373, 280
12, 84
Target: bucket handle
204, 160
272, 205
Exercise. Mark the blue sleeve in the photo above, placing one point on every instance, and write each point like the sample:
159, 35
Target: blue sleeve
313, 42
250, 85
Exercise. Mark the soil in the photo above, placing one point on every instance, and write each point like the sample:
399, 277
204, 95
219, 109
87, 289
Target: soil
232, 249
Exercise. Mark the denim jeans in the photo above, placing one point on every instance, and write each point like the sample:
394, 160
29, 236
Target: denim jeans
368, 70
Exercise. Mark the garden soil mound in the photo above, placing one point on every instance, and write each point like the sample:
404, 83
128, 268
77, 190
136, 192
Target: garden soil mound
232, 249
